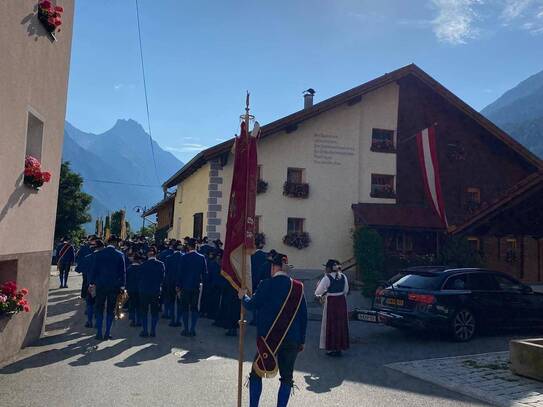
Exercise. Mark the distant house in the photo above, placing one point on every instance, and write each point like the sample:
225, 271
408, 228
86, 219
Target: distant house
33, 85
164, 216
352, 160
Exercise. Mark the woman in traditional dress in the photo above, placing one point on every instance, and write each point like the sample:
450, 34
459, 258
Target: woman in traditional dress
332, 291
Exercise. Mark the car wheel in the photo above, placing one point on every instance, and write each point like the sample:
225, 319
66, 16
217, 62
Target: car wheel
463, 325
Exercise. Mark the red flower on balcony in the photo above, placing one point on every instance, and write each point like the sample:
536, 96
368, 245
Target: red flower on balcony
11, 300
50, 17
33, 175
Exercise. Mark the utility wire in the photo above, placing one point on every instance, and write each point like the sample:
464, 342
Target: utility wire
145, 91
122, 183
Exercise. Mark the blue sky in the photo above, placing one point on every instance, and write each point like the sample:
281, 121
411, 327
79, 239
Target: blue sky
201, 57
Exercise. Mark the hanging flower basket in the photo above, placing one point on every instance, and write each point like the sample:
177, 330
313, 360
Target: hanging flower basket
50, 16
297, 240
34, 177
12, 300
261, 186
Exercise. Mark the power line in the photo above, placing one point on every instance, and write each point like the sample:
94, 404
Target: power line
145, 91
121, 183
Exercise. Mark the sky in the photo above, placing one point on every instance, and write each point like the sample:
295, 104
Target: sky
202, 56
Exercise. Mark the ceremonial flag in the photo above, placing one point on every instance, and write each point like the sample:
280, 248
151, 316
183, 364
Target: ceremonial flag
426, 143
241, 210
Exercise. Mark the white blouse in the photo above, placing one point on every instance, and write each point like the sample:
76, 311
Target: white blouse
324, 284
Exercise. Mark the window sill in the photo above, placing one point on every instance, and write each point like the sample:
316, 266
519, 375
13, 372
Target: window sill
383, 195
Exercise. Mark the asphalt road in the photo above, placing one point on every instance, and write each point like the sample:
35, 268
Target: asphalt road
69, 368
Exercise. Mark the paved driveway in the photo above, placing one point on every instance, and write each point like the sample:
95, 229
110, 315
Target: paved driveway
69, 368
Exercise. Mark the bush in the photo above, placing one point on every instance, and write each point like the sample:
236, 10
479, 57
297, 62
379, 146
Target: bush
370, 257
457, 252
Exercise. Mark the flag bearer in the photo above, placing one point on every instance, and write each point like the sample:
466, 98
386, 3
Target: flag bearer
189, 278
281, 329
66, 257
151, 277
334, 287
106, 280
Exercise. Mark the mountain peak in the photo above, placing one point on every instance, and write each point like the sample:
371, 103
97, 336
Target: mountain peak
128, 124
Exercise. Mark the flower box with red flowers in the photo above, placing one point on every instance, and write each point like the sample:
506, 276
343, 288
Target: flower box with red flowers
34, 177
299, 240
50, 16
12, 300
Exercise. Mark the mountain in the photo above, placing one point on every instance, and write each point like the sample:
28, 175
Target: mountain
519, 112
118, 167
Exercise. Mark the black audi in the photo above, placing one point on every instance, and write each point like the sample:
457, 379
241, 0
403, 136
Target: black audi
458, 301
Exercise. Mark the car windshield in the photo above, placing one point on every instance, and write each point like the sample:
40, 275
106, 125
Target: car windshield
427, 281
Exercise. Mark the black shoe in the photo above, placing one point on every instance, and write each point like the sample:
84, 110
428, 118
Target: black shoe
61, 286
152, 334
99, 337
108, 337
65, 286
88, 324
144, 334
185, 333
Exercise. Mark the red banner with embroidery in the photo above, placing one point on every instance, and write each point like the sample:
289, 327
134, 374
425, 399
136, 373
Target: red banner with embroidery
241, 210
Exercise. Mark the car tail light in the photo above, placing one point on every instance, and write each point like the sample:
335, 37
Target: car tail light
422, 298
379, 292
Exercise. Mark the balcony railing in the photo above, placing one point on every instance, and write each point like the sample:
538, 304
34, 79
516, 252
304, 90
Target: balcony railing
296, 190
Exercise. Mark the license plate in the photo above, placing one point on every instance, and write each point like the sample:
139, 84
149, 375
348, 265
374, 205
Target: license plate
394, 301
367, 317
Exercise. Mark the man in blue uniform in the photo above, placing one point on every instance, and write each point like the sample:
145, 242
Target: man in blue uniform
190, 276
83, 267
258, 259
66, 257
171, 300
85, 248
151, 277
281, 329
106, 279
132, 287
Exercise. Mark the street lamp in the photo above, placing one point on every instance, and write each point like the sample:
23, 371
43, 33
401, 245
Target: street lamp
141, 210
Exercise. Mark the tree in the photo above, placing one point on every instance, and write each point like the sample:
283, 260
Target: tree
457, 252
370, 255
148, 231
73, 205
116, 223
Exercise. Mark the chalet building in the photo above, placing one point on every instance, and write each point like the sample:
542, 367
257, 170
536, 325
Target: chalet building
163, 211
352, 160
33, 86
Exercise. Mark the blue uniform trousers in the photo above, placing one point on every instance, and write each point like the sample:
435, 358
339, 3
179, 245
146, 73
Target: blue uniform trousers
149, 302
106, 297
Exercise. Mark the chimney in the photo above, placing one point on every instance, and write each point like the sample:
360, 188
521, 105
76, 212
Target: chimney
308, 98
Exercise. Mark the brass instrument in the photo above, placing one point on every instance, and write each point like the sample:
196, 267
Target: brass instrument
119, 304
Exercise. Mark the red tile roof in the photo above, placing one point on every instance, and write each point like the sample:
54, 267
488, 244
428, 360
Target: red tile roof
396, 216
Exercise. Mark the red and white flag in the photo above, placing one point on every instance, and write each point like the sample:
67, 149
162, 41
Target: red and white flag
241, 210
426, 143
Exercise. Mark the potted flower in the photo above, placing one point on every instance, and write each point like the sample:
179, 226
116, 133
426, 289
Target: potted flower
12, 300
34, 177
50, 16
261, 186
298, 240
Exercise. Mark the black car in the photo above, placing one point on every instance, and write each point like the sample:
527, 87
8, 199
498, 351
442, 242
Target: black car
457, 301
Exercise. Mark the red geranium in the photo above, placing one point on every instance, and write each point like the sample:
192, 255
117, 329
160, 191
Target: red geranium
59, 9
46, 4
33, 176
11, 300
46, 176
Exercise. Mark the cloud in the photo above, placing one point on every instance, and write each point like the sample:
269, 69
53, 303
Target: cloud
526, 14
118, 86
187, 148
514, 8
455, 21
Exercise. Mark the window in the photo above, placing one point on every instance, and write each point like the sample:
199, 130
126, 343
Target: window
382, 186
257, 224
178, 228
482, 282
295, 225
198, 225
34, 136
511, 244
382, 140
510, 285
404, 243
459, 282
474, 195
474, 243
295, 175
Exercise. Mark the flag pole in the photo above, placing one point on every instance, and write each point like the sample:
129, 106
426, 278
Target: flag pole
242, 321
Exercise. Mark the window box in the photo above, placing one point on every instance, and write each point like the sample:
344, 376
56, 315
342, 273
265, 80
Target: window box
261, 186
298, 240
296, 190
382, 186
382, 141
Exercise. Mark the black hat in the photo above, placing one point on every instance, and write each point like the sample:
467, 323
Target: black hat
331, 263
217, 242
191, 242
113, 238
278, 259
152, 249
270, 254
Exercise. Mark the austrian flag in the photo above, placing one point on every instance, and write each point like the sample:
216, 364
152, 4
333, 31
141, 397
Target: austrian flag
426, 144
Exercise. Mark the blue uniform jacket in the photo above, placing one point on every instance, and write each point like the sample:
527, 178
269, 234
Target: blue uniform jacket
164, 254
192, 271
151, 276
132, 278
107, 268
172, 265
268, 300
83, 264
214, 274
69, 255
82, 252
257, 260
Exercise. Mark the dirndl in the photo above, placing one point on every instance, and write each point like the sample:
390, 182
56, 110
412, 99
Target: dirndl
335, 324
